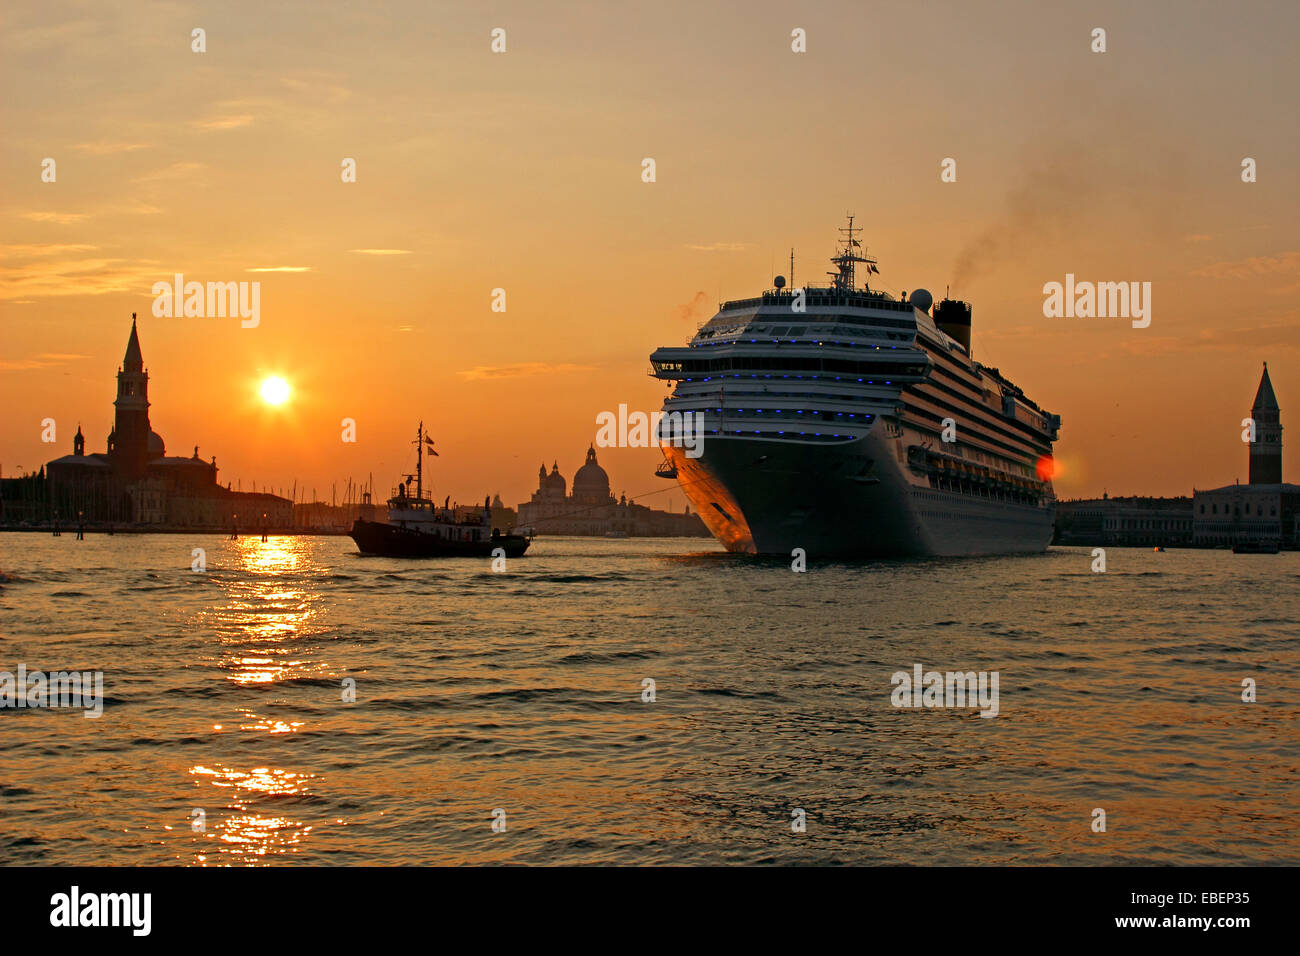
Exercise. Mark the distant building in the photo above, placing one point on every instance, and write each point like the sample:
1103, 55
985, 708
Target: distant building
592, 510
1264, 511
321, 518
134, 481
503, 518
1125, 522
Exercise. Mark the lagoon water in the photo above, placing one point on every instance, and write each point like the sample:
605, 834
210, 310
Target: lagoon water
522, 692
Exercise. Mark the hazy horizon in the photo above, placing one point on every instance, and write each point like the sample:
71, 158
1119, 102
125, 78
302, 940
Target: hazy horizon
522, 170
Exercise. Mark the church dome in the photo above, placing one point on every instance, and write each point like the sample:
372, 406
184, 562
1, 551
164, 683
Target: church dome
591, 482
156, 447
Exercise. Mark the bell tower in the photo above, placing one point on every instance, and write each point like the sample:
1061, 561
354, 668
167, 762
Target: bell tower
131, 419
1266, 451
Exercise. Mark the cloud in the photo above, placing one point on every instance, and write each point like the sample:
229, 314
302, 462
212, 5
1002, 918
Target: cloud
223, 122
519, 370
1286, 263
280, 269
104, 147
22, 249
1268, 339
318, 86
64, 273
174, 171
1197, 237
383, 252
44, 360
134, 209
720, 247
61, 218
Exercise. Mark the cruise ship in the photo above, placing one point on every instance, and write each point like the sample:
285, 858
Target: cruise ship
847, 423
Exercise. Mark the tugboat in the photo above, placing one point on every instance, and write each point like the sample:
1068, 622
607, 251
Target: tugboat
418, 528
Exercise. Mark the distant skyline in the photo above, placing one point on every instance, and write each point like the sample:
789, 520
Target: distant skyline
522, 171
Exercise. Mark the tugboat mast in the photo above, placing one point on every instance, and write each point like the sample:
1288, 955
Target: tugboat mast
419, 462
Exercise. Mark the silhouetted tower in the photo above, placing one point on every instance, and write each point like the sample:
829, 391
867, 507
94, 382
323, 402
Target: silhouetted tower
1266, 452
130, 439
78, 442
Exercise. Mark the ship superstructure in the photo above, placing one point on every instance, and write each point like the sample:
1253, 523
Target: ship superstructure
843, 421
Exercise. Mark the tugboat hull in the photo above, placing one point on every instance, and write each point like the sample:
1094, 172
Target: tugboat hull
394, 541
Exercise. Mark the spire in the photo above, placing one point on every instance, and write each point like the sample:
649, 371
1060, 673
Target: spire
1265, 399
591, 453
133, 361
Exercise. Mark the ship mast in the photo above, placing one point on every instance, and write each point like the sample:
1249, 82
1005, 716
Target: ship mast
843, 279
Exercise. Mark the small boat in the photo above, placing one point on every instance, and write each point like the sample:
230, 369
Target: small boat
418, 528
1157, 548
1256, 547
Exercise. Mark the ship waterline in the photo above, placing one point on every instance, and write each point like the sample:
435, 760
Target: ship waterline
769, 497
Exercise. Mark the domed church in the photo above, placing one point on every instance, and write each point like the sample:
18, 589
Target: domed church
592, 510
591, 484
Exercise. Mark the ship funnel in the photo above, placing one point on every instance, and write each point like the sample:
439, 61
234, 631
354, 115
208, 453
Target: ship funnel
952, 316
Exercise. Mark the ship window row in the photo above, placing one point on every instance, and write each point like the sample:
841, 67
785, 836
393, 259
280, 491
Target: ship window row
787, 300
772, 433
848, 344
827, 379
827, 394
670, 427
780, 331
791, 364
981, 412
965, 432
796, 320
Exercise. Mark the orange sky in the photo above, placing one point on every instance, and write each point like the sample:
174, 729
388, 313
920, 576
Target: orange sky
522, 170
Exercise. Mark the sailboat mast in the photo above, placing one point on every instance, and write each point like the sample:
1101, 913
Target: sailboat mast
419, 462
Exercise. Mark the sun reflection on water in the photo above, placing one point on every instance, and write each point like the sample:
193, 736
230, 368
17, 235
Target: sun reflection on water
246, 836
269, 724
266, 625
269, 609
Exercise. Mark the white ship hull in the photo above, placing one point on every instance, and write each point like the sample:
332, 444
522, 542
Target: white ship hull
844, 422
852, 499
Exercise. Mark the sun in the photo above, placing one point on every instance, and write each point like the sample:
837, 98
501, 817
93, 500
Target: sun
275, 390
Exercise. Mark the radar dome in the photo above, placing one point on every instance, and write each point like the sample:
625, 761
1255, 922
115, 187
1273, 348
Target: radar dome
921, 299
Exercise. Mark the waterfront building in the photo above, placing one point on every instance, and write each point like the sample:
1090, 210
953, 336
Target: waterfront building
134, 482
1125, 522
